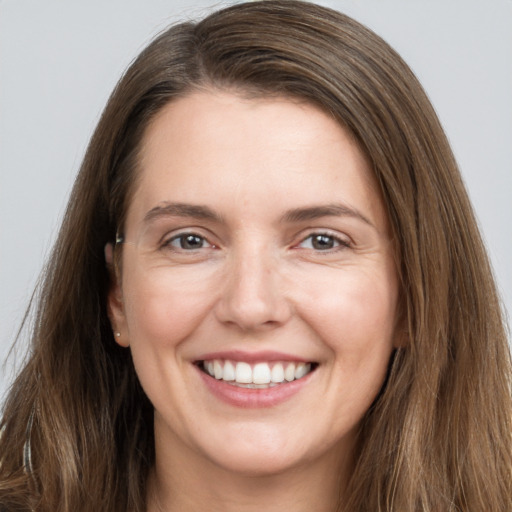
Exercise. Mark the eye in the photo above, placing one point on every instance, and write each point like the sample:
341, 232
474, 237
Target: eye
188, 242
323, 242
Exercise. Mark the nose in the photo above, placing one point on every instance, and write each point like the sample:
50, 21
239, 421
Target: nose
253, 296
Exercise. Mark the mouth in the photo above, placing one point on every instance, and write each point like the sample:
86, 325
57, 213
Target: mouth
259, 375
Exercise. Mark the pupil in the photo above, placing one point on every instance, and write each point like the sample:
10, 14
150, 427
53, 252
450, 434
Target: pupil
323, 242
191, 242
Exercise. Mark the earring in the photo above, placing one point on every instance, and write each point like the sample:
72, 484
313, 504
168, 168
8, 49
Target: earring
118, 334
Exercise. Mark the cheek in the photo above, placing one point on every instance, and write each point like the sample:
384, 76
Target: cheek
164, 306
355, 314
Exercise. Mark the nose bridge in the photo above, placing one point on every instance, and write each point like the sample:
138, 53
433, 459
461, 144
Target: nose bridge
252, 295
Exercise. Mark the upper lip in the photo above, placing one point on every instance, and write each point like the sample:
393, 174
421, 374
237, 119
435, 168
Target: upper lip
252, 357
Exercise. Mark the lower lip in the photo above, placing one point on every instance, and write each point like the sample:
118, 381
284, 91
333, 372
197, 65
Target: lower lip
253, 398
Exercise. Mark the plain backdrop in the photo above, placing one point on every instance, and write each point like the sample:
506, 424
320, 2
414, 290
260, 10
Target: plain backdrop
60, 59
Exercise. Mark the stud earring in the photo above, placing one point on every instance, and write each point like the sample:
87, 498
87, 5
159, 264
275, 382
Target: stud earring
118, 334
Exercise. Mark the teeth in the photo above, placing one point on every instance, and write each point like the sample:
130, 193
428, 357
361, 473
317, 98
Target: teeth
243, 373
218, 371
253, 386
229, 371
300, 370
261, 375
289, 372
277, 373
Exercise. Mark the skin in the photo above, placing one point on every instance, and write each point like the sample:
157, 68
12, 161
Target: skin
255, 281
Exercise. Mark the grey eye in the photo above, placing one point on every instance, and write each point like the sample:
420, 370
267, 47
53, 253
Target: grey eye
322, 242
188, 241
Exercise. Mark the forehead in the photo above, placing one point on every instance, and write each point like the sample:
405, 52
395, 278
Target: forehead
220, 147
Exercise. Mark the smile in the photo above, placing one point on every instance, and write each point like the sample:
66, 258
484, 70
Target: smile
260, 375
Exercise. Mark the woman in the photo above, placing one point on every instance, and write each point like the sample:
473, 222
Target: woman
268, 291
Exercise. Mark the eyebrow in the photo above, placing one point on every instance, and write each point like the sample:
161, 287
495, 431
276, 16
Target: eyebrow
181, 210
202, 212
330, 210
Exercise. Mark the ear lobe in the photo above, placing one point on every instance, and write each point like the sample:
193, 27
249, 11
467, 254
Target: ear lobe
109, 256
115, 306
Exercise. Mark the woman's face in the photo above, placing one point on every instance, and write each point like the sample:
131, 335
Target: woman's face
258, 292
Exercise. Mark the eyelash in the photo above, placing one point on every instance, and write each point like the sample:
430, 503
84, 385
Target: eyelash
336, 242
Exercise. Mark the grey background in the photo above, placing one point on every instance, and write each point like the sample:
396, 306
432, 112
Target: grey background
59, 60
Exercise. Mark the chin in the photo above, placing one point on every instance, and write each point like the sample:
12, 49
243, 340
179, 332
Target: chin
258, 455
256, 465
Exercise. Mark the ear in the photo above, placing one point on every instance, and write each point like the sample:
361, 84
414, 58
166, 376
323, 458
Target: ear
115, 306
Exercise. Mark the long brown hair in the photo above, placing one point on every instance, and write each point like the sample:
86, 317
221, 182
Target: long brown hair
77, 427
